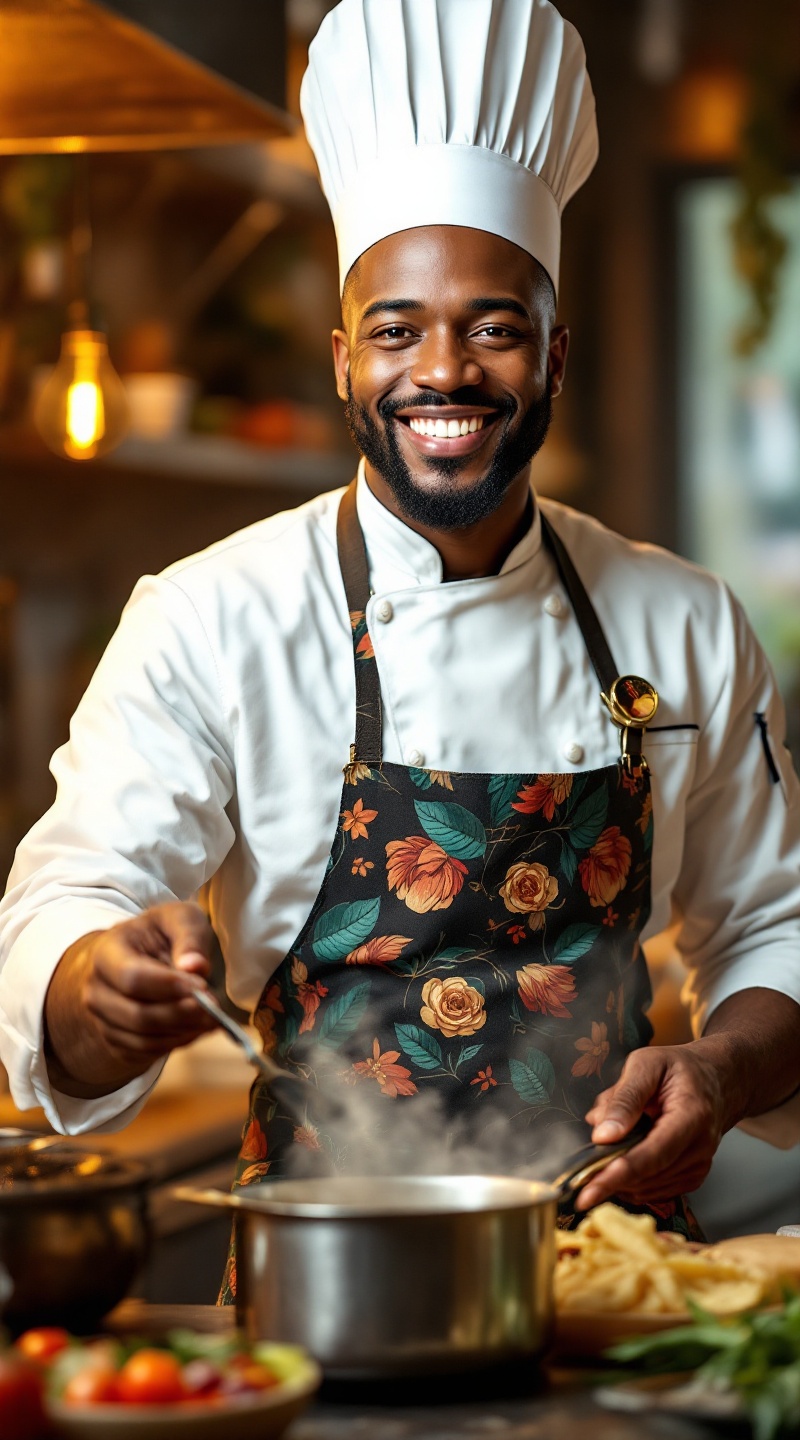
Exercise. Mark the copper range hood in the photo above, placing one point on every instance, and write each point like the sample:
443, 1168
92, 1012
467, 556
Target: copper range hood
75, 77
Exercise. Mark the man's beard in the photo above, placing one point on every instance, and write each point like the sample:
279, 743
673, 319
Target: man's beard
449, 507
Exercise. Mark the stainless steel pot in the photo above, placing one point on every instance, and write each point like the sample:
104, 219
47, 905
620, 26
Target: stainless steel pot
400, 1275
73, 1232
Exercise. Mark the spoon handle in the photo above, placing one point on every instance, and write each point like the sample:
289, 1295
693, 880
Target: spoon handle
211, 1005
323, 1105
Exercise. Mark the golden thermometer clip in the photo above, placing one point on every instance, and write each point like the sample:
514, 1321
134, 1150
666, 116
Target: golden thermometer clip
632, 702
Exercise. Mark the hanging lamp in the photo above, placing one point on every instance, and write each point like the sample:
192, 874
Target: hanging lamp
76, 77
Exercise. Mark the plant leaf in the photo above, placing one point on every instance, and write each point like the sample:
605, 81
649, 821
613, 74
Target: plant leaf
578, 787
344, 927
569, 863
589, 819
344, 1015
467, 1053
423, 1049
534, 1081
574, 942
503, 789
458, 831
421, 778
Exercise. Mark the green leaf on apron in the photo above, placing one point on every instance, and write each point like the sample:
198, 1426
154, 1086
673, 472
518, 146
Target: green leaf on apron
344, 1015
422, 1049
467, 1053
589, 819
503, 789
578, 787
451, 954
569, 863
421, 778
344, 927
458, 831
574, 942
534, 1081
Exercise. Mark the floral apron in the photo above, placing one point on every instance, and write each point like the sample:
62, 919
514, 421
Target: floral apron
472, 961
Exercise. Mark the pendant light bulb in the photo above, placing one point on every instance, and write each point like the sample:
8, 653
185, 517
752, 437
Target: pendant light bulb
82, 411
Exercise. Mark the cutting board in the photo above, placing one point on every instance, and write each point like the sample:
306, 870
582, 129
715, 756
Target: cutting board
779, 1255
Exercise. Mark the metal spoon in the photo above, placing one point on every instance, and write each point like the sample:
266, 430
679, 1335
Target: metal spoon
309, 1095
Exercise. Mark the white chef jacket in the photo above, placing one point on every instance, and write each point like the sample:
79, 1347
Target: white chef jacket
208, 752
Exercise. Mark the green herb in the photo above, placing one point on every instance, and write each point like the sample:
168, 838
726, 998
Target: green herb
198, 1345
755, 1355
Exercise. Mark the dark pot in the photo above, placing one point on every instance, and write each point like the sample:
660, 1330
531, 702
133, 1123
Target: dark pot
73, 1233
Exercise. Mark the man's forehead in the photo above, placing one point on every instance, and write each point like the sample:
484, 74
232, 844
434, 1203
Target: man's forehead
421, 261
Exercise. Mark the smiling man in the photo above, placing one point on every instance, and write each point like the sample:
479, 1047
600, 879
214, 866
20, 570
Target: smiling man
448, 390
441, 755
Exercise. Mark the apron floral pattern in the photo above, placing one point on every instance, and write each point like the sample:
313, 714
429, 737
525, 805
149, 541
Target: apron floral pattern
476, 936
477, 933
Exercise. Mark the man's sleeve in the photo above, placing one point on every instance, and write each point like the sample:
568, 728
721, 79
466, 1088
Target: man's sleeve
738, 895
139, 819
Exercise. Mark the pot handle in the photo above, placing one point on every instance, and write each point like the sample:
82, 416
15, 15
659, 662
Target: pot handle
591, 1159
222, 1199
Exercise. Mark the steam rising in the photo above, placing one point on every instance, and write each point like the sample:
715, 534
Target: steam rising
375, 1134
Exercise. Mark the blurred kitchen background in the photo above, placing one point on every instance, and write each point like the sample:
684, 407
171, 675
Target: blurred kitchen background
213, 273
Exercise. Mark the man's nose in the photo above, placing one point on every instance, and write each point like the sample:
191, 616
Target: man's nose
441, 362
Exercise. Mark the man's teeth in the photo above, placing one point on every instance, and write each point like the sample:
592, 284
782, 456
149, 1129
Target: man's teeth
446, 429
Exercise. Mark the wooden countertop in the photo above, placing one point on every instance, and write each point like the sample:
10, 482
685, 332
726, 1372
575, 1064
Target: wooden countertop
552, 1404
173, 1133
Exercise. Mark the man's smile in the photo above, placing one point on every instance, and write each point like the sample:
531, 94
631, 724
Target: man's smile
451, 431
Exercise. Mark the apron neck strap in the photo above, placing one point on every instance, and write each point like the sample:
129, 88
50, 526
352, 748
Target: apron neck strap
594, 639
355, 574
368, 745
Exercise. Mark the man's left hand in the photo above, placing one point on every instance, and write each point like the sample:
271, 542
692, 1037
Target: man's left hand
745, 1063
681, 1088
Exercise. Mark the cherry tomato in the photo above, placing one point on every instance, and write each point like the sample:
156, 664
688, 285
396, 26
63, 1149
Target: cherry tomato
93, 1385
246, 1375
22, 1414
151, 1377
41, 1345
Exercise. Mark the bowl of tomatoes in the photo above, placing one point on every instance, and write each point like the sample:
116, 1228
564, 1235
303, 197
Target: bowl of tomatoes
199, 1385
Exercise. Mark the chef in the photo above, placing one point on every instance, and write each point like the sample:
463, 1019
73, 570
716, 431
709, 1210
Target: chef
439, 756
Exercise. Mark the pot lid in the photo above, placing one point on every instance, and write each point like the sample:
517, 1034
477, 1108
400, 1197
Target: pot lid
75, 77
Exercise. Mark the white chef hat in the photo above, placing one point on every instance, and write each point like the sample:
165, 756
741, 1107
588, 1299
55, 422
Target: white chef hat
449, 112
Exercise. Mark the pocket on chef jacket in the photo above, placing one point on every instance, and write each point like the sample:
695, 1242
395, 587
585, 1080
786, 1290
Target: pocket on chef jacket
658, 739
672, 756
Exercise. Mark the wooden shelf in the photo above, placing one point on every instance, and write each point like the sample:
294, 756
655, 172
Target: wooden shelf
208, 459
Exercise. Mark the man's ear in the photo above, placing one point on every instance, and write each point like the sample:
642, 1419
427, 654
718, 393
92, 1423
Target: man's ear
341, 362
557, 357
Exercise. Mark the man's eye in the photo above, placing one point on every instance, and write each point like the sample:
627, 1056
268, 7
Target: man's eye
393, 332
495, 331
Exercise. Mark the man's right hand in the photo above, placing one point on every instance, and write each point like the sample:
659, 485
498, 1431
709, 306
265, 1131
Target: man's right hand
121, 998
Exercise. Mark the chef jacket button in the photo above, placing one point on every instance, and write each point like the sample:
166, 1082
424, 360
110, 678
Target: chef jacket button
573, 752
415, 757
554, 605
384, 610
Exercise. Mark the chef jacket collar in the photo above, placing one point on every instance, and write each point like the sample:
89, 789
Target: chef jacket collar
400, 558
